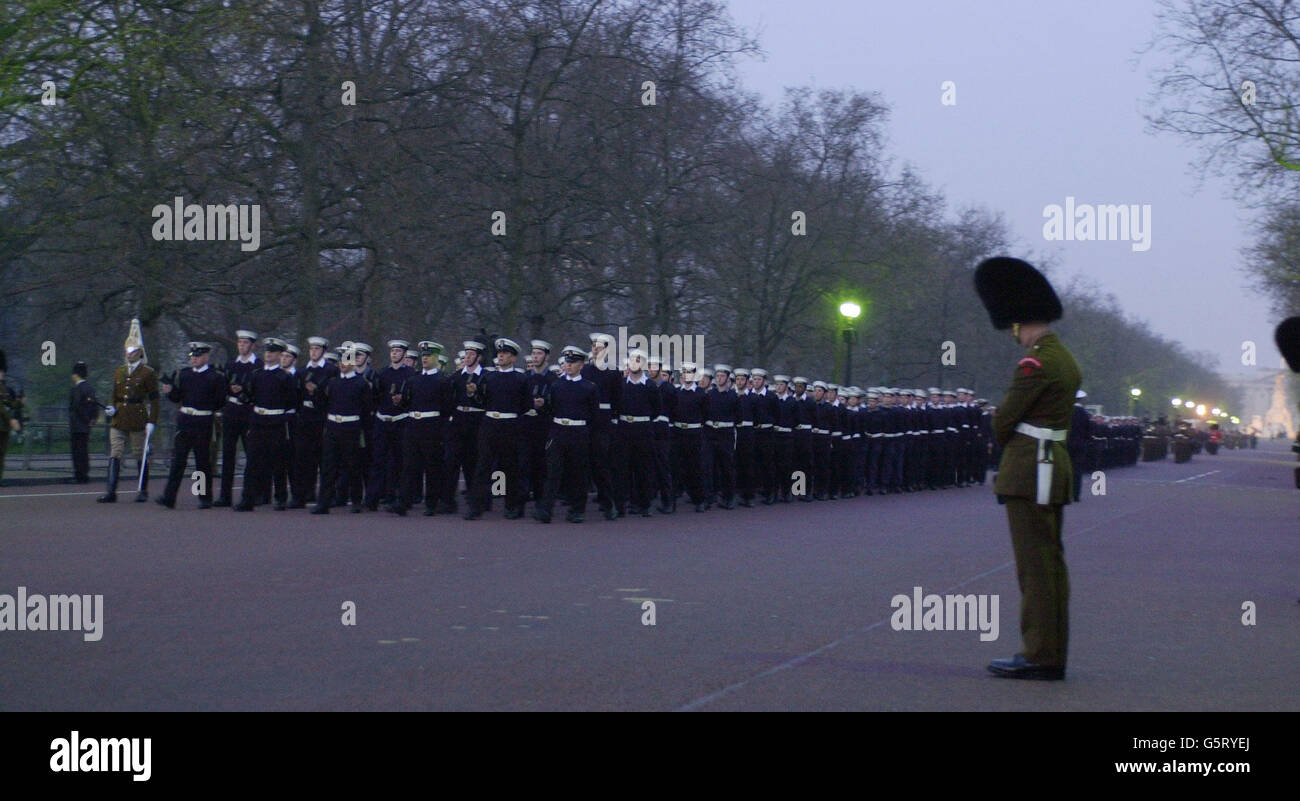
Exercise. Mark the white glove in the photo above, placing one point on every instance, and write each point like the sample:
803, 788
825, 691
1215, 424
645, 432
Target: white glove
110, 410
148, 429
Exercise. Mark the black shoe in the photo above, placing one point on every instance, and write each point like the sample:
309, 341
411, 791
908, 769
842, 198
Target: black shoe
1017, 667
446, 508
142, 496
645, 512
473, 514
279, 506
372, 507
574, 517
356, 508
513, 514
221, 502
164, 502
320, 510
205, 504
541, 517
297, 505
745, 502
244, 506
611, 514
700, 507
805, 499
396, 509
429, 512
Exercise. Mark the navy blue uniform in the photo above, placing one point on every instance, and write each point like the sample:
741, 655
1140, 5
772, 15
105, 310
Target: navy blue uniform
722, 412
574, 407
746, 475
536, 428
428, 402
348, 403
462, 436
389, 428
608, 383
273, 394
234, 421
200, 396
689, 411
505, 400
663, 445
640, 405
310, 428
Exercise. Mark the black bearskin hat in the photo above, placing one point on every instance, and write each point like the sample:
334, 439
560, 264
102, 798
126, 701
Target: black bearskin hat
1014, 292
1287, 337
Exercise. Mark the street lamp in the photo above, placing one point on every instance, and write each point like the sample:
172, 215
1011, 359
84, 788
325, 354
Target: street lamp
1134, 393
1176, 401
849, 311
1216, 411
1190, 404
1200, 410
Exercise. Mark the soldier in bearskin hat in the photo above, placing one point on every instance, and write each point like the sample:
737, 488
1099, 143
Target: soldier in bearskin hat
1032, 423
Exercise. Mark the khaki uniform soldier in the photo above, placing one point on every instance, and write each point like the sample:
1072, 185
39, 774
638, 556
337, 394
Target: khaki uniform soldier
11, 406
134, 412
1034, 480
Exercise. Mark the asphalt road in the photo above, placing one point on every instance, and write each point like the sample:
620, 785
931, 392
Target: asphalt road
784, 607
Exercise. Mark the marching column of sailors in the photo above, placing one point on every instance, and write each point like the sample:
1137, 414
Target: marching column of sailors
338, 432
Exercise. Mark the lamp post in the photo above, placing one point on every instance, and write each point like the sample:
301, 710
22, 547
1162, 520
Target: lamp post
849, 311
1134, 394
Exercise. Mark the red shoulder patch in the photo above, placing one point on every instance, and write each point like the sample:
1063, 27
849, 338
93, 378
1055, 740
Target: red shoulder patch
1028, 365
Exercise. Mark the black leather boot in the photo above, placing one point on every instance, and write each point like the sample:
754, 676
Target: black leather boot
114, 467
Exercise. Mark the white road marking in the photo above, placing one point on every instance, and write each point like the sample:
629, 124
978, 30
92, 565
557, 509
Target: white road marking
1193, 478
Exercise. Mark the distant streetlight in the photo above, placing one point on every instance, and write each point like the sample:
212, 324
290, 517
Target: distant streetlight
849, 311
1176, 401
1200, 410
1235, 420
1190, 404
1135, 392
1216, 411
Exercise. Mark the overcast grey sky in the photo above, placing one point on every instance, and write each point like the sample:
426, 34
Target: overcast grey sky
1049, 104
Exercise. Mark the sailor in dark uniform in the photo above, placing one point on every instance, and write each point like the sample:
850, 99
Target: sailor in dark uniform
505, 400
574, 406
721, 409
689, 413
236, 413
746, 478
307, 439
661, 377
536, 425
604, 373
272, 393
639, 406
347, 401
200, 392
467, 416
428, 404
389, 428
763, 469
784, 425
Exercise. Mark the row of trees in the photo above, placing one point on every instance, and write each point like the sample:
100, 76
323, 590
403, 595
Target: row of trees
431, 168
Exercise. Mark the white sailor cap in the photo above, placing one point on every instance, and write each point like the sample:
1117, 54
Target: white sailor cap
442, 358
540, 344
833, 387
722, 368
1080, 394
637, 353
554, 368
198, 348
935, 391
819, 384
949, 393
244, 333
363, 347
472, 344
428, 347
412, 354
964, 391
320, 342
908, 393
739, 371
781, 378
292, 349
460, 355
688, 367
399, 343
758, 372
654, 361
505, 343
573, 353
604, 338
873, 393
331, 356
800, 380
274, 344
920, 393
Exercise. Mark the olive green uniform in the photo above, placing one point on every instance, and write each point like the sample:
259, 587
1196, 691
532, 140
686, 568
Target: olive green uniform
1041, 394
135, 394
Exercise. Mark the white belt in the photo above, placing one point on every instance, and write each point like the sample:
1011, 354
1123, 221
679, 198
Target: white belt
847, 436
262, 410
343, 418
936, 431
308, 404
195, 412
745, 423
720, 424
687, 425
965, 425
782, 429
820, 430
468, 409
836, 433
391, 418
663, 418
631, 418
502, 415
857, 436
873, 436
424, 415
764, 425
804, 426
530, 413
953, 430
565, 421
605, 406
1044, 436
234, 400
